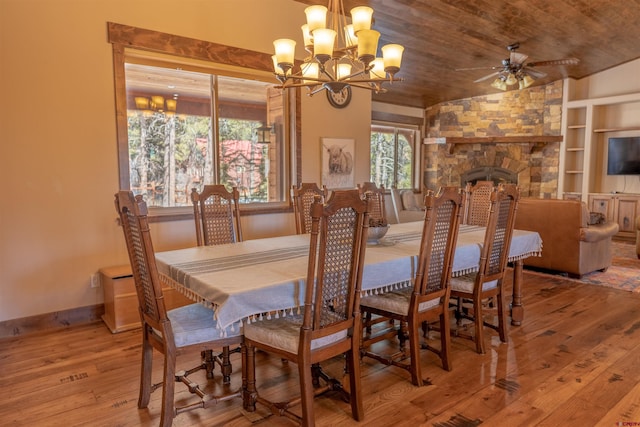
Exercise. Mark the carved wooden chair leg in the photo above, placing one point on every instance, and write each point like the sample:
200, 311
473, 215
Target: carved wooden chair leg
146, 386
403, 337
249, 394
226, 367
478, 326
316, 371
209, 362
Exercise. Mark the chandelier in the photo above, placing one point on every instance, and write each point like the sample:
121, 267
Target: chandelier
156, 103
340, 54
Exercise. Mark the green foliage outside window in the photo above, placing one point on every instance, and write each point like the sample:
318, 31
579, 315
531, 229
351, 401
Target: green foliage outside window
392, 156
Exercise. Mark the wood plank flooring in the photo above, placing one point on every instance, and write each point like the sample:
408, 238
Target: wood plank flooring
574, 361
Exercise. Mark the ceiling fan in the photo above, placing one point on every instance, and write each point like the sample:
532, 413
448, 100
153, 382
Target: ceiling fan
514, 70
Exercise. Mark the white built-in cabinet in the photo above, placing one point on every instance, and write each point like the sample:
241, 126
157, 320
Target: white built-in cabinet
587, 123
586, 126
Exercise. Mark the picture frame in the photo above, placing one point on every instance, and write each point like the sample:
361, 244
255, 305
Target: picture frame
338, 163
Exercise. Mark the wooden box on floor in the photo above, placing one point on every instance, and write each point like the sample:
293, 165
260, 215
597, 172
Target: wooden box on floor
121, 301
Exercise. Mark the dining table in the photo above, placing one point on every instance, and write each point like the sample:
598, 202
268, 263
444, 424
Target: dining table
249, 280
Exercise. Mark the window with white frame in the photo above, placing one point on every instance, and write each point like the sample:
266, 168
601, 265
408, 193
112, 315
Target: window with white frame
393, 155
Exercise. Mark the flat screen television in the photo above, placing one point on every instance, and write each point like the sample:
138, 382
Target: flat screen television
624, 156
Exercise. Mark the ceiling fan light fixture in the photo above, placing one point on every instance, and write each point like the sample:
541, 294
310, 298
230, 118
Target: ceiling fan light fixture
526, 81
516, 71
511, 79
499, 83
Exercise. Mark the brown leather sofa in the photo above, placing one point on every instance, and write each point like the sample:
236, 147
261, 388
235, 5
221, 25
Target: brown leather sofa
569, 243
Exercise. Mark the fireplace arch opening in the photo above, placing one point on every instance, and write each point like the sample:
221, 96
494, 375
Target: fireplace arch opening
489, 173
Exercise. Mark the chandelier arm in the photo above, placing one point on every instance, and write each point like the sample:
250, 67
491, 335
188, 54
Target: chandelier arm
292, 85
379, 80
323, 70
357, 73
316, 89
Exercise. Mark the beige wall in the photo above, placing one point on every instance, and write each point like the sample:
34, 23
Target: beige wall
58, 138
58, 142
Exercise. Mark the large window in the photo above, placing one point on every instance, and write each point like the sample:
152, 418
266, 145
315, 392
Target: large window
187, 129
393, 155
192, 112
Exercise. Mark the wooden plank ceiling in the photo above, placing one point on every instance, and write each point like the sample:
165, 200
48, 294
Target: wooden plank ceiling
441, 36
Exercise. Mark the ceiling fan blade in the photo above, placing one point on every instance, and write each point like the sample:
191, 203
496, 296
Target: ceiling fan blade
565, 61
534, 73
517, 58
478, 68
487, 77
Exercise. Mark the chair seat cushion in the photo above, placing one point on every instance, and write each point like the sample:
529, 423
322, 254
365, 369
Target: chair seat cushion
466, 283
396, 302
284, 333
194, 324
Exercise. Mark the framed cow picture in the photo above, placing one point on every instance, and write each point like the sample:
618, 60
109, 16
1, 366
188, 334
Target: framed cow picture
338, 160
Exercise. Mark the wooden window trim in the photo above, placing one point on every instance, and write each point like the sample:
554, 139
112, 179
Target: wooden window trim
124, 36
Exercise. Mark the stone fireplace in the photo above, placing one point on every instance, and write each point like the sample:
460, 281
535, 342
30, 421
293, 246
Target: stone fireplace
533, 166
512, 136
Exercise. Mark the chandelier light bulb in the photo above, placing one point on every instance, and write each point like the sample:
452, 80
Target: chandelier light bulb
316, 17
377, 69
367, 45
392, 55
343, 71
285, 52
323, 40
361, 18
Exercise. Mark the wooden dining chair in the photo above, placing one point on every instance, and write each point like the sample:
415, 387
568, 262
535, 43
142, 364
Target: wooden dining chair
302, 197
330, 324
377, 214
477, 203
217, 215
475, 291
427, 300
174, 332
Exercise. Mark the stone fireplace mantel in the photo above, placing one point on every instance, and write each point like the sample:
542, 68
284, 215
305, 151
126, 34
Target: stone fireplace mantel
531, 140
544, 139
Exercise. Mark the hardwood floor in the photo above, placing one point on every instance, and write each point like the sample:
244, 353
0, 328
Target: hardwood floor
574, 361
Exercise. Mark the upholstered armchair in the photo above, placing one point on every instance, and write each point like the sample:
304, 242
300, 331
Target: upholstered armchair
570, 243
406, 206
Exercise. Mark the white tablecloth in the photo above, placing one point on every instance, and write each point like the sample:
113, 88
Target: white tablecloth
241, 280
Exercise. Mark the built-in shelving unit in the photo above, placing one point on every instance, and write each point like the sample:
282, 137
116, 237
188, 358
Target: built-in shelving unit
584, 122
572, 155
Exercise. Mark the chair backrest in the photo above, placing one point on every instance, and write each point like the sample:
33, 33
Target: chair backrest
336, 261
133, 218
477, 205
217, 215
302, 198
439, 236
495, 250
377, 213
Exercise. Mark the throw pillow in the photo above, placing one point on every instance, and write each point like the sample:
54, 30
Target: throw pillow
409, 201
596, 218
